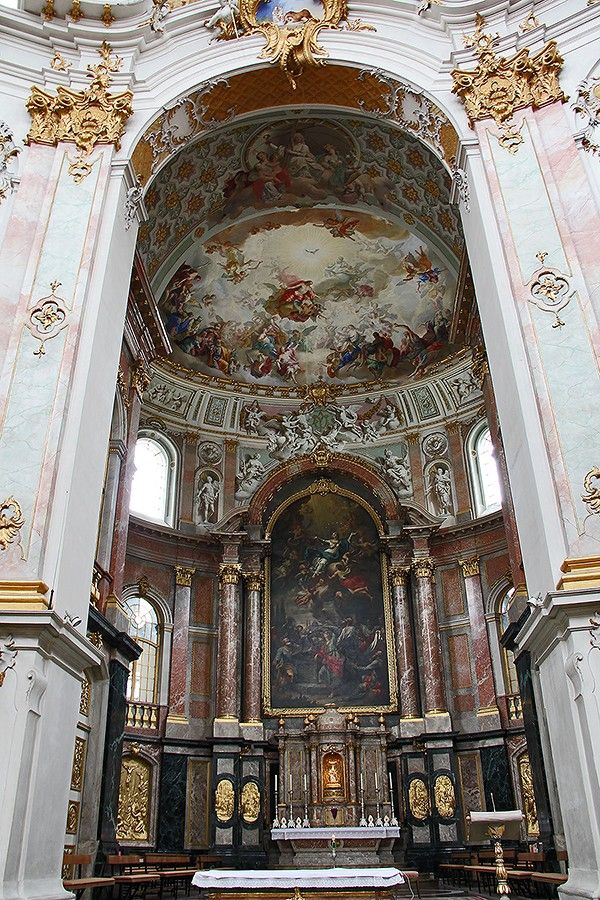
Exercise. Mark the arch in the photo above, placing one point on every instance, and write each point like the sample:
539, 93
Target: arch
148, 592
218, 101
339, 463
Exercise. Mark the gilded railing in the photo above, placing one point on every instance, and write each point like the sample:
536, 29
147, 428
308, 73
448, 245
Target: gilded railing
515, 707
141, 715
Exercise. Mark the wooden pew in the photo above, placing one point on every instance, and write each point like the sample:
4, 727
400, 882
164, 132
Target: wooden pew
131, 873
78, 884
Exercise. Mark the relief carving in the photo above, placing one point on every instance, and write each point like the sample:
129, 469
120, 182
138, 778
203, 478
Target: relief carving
8, 151
445, 799
250, 802
529, 807
134, 800
224, 800
418, 799
8, 656
11, 522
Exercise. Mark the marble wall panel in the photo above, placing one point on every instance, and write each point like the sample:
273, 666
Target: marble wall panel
201, 667
452, 591
495, 568
460, 661
197, 819
200, 709
203, 600
470, 779
496, 777
172, 802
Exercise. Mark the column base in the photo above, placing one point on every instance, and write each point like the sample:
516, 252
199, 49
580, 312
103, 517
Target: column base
226, 727
437, 721
582, 883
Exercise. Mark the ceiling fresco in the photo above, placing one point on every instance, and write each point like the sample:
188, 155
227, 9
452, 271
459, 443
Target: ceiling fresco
297, 296
241, 170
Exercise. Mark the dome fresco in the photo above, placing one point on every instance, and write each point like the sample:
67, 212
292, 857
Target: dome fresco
298, 296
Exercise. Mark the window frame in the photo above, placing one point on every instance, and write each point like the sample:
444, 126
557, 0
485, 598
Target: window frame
480, 508
173, 468
144, 643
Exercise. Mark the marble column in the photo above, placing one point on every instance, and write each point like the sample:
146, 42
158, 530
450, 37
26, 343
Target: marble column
178, 682
252, 648
405, 645
433, 671
138, 381
118, 674
116, 455
479, 636
457, 458
228, 642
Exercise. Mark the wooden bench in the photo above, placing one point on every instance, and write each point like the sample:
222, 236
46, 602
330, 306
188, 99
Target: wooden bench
488, 875
550, 880
173, 869
78, 884
131, 873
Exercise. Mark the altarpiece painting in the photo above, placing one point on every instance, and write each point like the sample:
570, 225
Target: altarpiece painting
328, 621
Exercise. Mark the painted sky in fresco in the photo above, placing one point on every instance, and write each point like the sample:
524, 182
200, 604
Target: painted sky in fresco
294, 296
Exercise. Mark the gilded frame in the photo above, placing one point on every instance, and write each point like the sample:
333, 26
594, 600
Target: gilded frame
323, 486
296, 48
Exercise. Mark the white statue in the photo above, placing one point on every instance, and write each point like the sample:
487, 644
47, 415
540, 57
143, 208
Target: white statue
253, 418
396, 471
224, 20
207, 496
441, 484
389, 420
249, 475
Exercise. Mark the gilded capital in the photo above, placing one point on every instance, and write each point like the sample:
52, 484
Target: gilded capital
229, 573
479, 365
184, 575
86, 118
423, 568
399, 575
254, 580
412, 437
469, 567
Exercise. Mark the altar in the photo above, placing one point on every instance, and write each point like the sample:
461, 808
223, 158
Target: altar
279, 884
346, 846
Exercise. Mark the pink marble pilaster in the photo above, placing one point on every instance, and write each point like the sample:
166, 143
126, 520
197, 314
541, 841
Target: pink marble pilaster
405, 645
457, 456
229, 473
187, 480
252, 647
178, 689
228, 642
416, 468
479, 637
433, 672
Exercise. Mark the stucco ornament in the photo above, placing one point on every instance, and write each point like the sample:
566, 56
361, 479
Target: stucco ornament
587, 105
550, 290
8, 151
47, 318
86, 118
134, 203
591, 497
11, 521
291, 35
500, 85
8, 656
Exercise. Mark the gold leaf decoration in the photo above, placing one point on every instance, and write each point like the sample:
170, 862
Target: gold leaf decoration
250, 802
445, 799
11, 521
224, 800
500, 85
418, 799
134, 800
85, 118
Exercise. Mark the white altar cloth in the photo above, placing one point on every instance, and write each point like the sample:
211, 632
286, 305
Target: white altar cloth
343, 833
288, 879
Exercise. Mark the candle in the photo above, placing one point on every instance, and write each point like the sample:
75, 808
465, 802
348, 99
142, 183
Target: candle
376, 782
361, 783
390, 781
275, 782
290, 782
305, 785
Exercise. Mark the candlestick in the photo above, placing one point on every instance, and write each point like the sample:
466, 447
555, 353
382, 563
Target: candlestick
393, 819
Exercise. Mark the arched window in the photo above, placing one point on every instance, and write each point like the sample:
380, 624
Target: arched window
153, 486
144, 627
509, 671
485, 479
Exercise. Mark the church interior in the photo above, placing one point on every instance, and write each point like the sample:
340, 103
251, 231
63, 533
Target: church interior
299, 500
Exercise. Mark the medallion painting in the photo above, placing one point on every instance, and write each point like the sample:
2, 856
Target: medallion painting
327, 621
296, 296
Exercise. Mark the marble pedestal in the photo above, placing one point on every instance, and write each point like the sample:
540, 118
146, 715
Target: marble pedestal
308, 848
